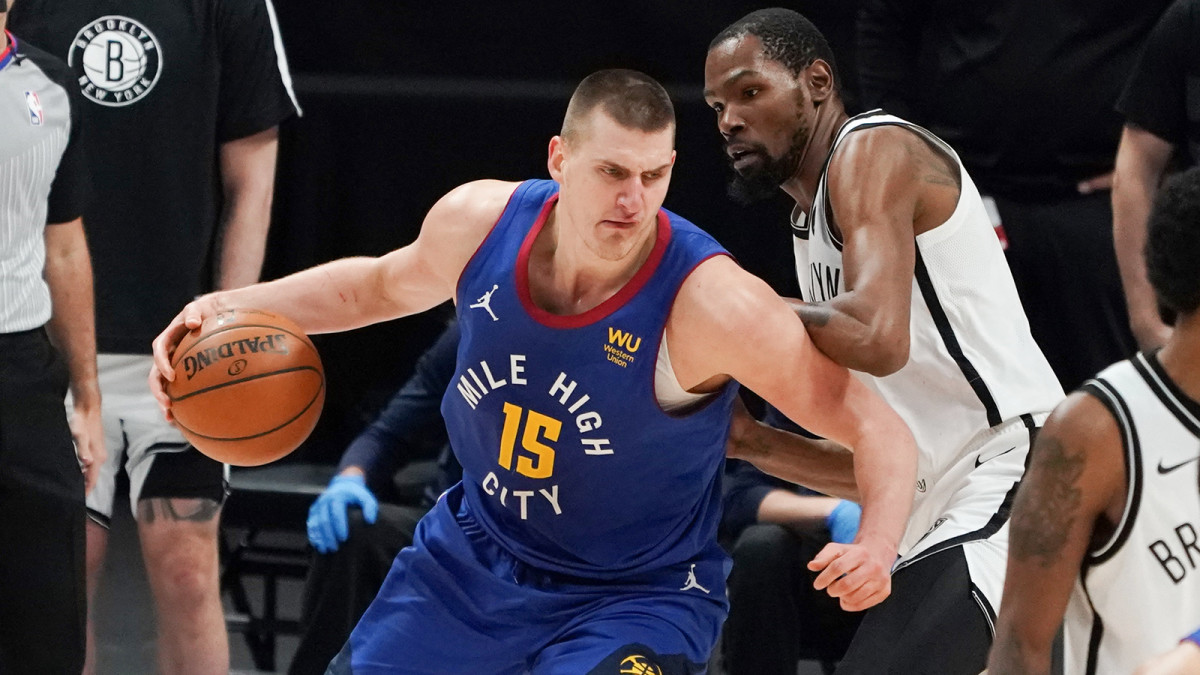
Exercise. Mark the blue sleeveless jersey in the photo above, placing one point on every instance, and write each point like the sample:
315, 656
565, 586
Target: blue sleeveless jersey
568, 460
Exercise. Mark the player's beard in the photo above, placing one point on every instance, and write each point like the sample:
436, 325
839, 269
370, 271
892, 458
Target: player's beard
762, 181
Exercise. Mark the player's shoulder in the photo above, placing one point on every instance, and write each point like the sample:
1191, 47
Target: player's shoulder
878, 149
1086, 423
477, 199
718, 292
897, 169
1082, 445
693, 239
468, 212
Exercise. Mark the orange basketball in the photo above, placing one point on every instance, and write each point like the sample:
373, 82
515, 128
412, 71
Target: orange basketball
248, 387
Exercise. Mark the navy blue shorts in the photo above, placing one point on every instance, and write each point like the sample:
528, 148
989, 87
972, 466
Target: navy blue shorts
456, 602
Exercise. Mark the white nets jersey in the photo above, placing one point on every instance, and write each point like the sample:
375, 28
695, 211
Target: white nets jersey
1139, 593
973, 371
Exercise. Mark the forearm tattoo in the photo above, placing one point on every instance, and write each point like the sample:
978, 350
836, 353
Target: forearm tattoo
1047, 503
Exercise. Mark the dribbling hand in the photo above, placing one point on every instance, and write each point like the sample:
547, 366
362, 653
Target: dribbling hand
190, 318
328, 525
858, 574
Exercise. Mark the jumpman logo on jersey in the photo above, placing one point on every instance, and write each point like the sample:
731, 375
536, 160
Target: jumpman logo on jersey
485, 301
691, 581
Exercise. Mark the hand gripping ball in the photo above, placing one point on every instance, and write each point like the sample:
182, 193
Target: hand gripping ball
248, 387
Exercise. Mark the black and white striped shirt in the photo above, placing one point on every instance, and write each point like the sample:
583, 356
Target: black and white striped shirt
42, 177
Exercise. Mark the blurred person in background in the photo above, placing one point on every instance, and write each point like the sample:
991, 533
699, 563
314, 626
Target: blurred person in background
47, 346
182, 100
1024, 91
1161, 105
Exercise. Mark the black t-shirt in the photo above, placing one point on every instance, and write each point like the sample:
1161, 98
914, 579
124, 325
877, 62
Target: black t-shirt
164, 83
1163, 92
1022, 89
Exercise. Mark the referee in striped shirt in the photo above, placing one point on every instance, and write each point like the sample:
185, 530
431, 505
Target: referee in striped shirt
47, 343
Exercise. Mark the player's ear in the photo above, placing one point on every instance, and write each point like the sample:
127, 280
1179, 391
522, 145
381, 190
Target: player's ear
819, 79
556, 156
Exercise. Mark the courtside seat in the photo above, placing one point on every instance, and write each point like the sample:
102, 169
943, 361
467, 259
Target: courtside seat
263, 535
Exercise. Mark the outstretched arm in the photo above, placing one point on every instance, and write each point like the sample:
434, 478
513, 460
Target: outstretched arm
355, 292
1073, 491
727, 323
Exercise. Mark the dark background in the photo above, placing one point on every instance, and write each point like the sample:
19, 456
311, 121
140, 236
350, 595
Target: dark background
403, 101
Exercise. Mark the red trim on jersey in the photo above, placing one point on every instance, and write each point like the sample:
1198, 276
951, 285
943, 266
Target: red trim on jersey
10, 49
630, 289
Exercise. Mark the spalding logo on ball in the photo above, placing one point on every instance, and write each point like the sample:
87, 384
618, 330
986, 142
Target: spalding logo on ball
248, 388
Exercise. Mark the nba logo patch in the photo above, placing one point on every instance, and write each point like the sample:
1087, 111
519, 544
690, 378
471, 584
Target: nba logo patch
35, 108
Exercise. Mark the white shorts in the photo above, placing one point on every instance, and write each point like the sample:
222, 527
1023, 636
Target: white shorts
969, 506
136, 434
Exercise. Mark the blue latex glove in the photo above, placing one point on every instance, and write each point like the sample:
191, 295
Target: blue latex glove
328, 525
842, 522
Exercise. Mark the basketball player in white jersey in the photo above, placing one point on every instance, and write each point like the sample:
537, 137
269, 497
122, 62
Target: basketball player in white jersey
1106, 527
903, 280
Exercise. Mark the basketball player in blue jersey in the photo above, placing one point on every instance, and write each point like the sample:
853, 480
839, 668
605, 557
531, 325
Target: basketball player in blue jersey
590, 408
904, 281
1106, 525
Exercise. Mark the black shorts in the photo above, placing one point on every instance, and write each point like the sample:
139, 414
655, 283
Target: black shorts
931, 624
157, 458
